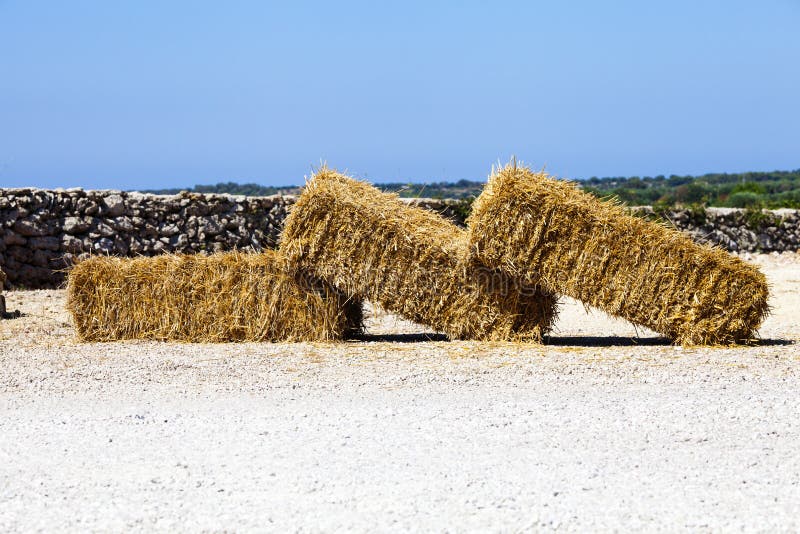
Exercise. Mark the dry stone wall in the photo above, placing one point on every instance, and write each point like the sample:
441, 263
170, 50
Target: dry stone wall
43, 231
736, 230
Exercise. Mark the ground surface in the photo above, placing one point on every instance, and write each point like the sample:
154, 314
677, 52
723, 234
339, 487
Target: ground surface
592, 432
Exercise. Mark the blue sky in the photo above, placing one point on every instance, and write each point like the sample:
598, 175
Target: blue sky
143, 94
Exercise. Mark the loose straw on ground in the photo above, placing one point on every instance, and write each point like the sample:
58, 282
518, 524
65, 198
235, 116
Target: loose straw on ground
218, 298
410, 261
548, 231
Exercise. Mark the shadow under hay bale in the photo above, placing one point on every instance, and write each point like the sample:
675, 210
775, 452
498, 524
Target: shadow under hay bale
410, 261
223, 297
605, 341
548, 231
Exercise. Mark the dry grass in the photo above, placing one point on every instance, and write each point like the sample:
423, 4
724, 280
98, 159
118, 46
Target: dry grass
222, 297
548, 231
409, 261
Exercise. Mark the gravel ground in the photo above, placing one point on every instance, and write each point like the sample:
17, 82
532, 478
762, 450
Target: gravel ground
597, 430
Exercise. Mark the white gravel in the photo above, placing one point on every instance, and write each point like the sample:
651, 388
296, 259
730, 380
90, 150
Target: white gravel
591, 433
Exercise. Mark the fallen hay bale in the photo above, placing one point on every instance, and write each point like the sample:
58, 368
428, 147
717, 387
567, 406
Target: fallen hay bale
409, 261
548, 231
229, 296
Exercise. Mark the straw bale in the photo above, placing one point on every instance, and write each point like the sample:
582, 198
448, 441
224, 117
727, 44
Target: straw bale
548, 231
409, 261
230, 296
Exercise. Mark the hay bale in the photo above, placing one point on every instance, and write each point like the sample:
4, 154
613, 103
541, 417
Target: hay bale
408, 260
230, 296
549, 231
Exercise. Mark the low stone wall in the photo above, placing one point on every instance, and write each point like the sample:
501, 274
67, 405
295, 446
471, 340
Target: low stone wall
42, 231
736, 230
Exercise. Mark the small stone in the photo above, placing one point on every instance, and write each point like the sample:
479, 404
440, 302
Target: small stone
178, 242
13, 238
75, 225
45, 243
29, 227
104, 229
71, 243
168, 230
113, 205
122, 224
103, 244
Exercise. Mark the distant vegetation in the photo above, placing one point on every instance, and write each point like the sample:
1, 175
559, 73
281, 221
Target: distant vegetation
232, 188
777, 189
460, 189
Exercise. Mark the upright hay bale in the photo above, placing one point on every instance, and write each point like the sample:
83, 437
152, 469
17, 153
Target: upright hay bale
545, 230
410, 261
223, 297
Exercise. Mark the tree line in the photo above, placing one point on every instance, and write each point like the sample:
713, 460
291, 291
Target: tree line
776, 189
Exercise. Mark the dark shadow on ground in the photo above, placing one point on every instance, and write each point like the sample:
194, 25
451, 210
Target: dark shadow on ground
558, 341
773, 342
622, 341
399, 338
604, 341
583, 341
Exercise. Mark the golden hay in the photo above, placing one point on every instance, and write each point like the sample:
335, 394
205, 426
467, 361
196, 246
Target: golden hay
408, 260
548, 231
222, 297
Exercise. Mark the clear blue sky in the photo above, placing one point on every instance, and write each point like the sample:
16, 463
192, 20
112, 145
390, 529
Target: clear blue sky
141, 94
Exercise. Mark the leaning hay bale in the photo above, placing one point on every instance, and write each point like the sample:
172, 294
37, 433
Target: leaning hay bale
408, 260
549, 231
222, 297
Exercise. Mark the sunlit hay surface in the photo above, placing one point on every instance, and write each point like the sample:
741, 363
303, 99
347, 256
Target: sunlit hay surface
409, 261
548, 231
223, 297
